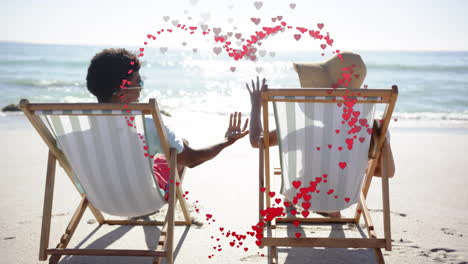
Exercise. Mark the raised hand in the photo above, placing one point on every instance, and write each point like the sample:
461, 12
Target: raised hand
234, 131
256, 91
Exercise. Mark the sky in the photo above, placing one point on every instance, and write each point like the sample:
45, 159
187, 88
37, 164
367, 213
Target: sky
354, 25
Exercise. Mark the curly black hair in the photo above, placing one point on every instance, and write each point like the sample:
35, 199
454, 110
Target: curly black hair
107, 70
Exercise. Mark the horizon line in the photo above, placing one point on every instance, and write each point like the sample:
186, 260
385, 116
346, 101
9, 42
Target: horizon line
128, 45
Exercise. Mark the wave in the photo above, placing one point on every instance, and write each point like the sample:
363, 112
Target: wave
420, 68
46, 83
45, 62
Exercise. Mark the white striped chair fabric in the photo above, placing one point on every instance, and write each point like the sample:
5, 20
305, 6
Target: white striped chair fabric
108, 159
310, 135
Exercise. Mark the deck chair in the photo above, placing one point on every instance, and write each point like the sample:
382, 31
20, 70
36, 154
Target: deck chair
116, 179
328, 155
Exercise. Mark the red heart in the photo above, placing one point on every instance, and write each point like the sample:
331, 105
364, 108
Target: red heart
330, 146
325, 181
362, 139
305, 213
356, 113
346, 116
221, 229
337, 131
278, 200
245, 249
296, 184
294, 200
271, 194
320, 25
325, 175
287, 204
296, 223
323, 46
363, 121
318, 148
336, 196
342, 165
294, 212
258, 242
369, 131
306, 205
297, 36
347, 199
279, 17
232, 243
330, 191
262, 189
340, 148
298, 235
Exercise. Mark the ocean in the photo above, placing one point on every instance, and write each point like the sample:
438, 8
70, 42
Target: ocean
433, 86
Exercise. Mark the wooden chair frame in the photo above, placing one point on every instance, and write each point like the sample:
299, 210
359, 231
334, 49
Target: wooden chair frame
165, 246
389, 97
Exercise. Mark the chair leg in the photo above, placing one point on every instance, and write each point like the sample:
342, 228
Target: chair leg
183, 205
70, 230
47, 210
273, 255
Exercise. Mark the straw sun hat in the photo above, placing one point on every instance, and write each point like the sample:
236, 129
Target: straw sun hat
325, 74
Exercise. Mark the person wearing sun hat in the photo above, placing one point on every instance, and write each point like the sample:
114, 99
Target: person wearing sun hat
343, 70
326, 74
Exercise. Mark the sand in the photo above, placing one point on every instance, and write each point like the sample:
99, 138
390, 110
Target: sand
429, 202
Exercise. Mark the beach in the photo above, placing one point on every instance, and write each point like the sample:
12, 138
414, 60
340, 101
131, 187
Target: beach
429, 136
428, 201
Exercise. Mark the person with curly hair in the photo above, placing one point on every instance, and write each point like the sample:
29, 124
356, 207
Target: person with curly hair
113, 77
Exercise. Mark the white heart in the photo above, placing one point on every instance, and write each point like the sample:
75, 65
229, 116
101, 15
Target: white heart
184, 43
258, 69
292, 5
175, 22
230, 20
163, 49
195, 50
262, 53
204, 27
258, 4
217, 31
193, 2
233, 69
217, 50
272, 53
238, 35
166, 18
229, 34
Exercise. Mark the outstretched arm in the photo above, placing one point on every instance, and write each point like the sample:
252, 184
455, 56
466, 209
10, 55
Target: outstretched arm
193, 157
256, 129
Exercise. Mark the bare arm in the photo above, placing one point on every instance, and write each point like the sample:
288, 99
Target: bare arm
256, 129
193, 157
